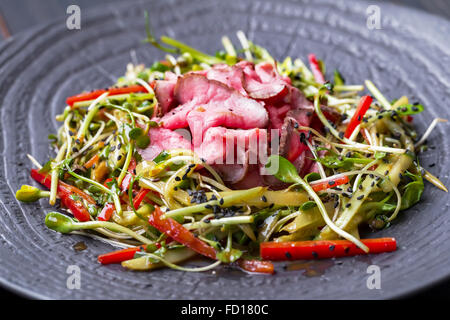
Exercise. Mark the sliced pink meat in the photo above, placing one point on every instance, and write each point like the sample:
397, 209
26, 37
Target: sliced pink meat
164, 95
177, 118
210, 103
231, 76
164, 92
277, 115
232, 173
229, 146
292, 141
263, 82
251, 179
163, 139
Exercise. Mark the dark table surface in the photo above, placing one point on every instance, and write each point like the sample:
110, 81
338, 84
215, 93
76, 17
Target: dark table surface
19, 15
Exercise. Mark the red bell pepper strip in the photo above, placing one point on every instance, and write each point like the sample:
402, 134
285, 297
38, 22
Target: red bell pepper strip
46, 180
121, 255
118, 256
64, 191
140, 197
329, 183
77, 208
97, 93
315, 68
179, 233
106, 212
257, 266
363, 106
321, 249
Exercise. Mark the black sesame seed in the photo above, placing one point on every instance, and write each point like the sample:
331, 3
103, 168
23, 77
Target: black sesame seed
360, 197
177, 178
331, 183
360, 187
221, 201
288, 255
347, 249
264, 199
74, 149
350, 189
341, 134
348, 205
302, 137
336, 204
332, 247
315, 254
119, 157
432, 165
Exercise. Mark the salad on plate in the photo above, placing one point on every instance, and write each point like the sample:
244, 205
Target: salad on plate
236, 157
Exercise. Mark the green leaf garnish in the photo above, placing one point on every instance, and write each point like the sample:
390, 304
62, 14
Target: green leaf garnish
164, 155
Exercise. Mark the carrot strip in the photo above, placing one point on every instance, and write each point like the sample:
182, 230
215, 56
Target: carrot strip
91, 161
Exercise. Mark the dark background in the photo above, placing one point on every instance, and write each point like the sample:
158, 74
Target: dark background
19, 15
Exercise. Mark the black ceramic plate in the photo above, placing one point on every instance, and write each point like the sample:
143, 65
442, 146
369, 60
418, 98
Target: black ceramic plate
410, 56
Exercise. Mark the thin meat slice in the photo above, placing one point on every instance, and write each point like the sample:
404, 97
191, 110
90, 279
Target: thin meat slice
232, 152
164, 95
292, 141
210, 103
263, 82
229, 146
232, 76
251, 179
277, 115
177, 118
163, 139
164, 92
233, 173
